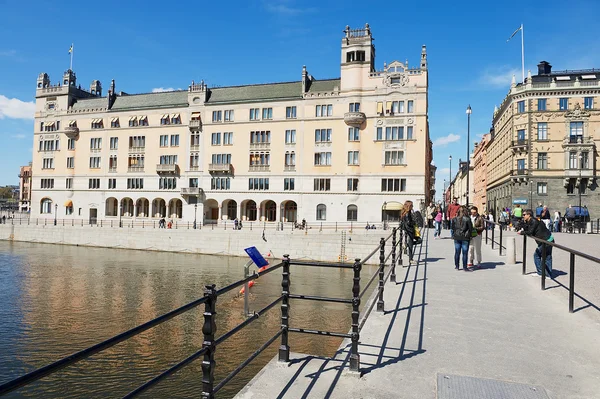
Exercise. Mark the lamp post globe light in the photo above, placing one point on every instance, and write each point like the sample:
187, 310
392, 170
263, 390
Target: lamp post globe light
56, 209
468, 148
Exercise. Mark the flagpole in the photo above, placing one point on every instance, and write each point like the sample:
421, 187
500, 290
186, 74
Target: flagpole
72, 49
522, 54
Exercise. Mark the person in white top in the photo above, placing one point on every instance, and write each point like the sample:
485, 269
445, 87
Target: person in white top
556, 220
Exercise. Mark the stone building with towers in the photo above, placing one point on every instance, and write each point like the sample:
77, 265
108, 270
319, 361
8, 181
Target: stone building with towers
353, 148
543, 147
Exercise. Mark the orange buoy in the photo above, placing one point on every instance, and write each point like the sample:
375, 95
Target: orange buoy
251, 283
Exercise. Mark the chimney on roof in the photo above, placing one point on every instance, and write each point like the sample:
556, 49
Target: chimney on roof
544, 68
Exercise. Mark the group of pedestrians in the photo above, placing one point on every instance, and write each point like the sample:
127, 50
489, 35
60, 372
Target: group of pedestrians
466, 231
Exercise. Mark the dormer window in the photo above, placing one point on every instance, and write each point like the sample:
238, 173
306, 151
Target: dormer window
114, 122
97, 124
133, 122
175, 119
165, 120
143, 120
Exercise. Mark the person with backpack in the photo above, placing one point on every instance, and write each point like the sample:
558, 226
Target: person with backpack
475, 243
408, 226
462, 228
503, 220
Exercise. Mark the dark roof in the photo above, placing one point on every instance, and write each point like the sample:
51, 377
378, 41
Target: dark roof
167, 99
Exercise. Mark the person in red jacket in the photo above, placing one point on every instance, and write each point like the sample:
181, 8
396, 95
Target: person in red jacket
452, 212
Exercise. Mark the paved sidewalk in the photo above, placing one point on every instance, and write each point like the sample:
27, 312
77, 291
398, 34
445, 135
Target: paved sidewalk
493, 323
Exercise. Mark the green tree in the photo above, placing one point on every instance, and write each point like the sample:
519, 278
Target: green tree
6, 192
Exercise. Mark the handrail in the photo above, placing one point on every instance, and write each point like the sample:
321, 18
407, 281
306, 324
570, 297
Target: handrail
210, 343
562, 247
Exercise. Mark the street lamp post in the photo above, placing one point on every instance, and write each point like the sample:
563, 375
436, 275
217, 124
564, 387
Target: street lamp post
56, 210
120, 215
468, 148
385, 219
580, 181
195, 211
450, 180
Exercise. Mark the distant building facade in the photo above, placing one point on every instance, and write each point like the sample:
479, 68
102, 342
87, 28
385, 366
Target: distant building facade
479, 166
320, 150
543, 148
25, 188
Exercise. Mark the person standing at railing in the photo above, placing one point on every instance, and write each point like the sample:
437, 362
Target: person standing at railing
535, 228
462, 227
408, 226
452, 212
437, 223
475, 243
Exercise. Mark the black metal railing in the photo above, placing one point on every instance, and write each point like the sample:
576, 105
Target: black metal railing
491, 227
572, 253
209, 328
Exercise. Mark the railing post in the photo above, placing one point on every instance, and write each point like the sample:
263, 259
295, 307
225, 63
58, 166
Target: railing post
524, 254
500, 243
401, 243
380, 303
571, 282
543, 266
487, 227
354, 356
284, 348
492, 239
209, 329
393, 275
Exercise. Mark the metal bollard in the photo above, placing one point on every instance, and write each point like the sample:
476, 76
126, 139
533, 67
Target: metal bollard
354, 355
511, 256
380, 303
394, 242
284, 348
209, 329
524, 255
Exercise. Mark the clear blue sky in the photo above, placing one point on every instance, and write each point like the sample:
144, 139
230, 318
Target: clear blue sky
145, 45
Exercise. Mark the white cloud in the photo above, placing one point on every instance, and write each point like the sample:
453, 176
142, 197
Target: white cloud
163, 89
499, 77
285, 7
444, 141
15, 108
19, 136
8, 53
443, 172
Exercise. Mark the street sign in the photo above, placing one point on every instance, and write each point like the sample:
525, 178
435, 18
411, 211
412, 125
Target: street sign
520, 201
256, 257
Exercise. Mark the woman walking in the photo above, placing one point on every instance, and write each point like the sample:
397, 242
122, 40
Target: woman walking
409, 225
437, 223
462, 228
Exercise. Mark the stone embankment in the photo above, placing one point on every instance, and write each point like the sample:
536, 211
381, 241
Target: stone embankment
312, 244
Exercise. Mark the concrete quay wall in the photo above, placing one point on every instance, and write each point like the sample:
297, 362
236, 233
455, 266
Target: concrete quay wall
308, 245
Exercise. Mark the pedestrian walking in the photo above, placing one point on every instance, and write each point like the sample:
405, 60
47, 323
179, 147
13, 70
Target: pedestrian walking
503, 219
408, 226
452, 212
546, 218
475, 243
235, 223
462, 228
535, 228
517, 215
556, 221
490, 218
437, 223
431, 213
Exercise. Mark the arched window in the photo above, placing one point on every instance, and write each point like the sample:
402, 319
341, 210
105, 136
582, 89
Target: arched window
352, 213
321, 212
46, 206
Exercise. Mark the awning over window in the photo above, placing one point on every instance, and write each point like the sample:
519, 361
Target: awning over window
175, 116
68, 203
388, 106
143, 118
165, 116
133, 118
380, 108
113, 120
72, 123
195, 115
392, 206
51, 124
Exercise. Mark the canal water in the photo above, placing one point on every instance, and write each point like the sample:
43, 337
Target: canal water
56, 300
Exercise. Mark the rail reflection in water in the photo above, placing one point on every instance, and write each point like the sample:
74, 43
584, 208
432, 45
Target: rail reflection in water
59, 299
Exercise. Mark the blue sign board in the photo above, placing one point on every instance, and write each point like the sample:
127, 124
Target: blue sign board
521, 201
256, 257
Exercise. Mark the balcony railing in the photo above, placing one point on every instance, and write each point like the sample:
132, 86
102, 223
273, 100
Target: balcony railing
195, 124
354, 118
194, 168
195, 147
190, 191
219, 167
260, 168
135, 169
72, 131
112, 170
289, 168
167, 168
137, 150
260, 146
578, 139
521, 172
519, 142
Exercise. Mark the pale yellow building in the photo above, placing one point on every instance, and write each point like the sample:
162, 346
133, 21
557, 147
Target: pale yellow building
479, 166
321, 150
543, 148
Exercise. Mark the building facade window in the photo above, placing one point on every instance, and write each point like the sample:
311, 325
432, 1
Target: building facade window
290, 158
563, 104
521, 135
541, 104
588, 103
254, 114
573, 164
195, 140
176, 119
70, 162
168, 159
165, 120
229, 115
69, 183
585, 160
290, 112
164, 140
46, 183
49, 145
135, 163
112, 184
520, 164
221, 159
95, 162
395, 107
220, 183
521, 107
323, 159
542, 160
352, 184
137, 142
193, 182
354, 107
576, 131
112, 163
94, 184
409, 133
353, 134
410, 106
267, 113
215, 139
194, 161
228, 138
353, 158
542, 188
288, 184
322, 184
96, 143
98, 124
114, 143
114, 123
542, 131
260, 159
70, 144
263, 136
323, 110
352, 213
174, 140
322, 135
394, 158
167, 183
393, 185
133, 121
571, 186
46, 206
48, 163
290, 136
135, 183
321, 212
217, 116
258, 183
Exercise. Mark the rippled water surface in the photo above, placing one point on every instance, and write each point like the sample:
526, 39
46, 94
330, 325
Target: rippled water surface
56, 300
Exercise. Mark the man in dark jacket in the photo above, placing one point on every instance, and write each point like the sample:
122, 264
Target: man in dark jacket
451, 214
535, 228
